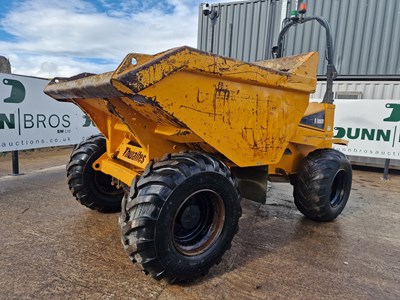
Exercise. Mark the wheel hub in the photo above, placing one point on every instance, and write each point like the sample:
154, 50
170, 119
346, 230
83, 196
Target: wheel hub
190, 216
198, 222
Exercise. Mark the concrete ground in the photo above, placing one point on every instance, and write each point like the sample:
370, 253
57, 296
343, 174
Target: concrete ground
51, 247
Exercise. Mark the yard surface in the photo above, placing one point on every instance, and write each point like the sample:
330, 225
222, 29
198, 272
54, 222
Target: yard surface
51, 247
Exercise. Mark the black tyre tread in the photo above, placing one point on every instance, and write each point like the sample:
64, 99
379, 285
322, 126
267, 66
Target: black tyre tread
312, 183
93, 147
146, 201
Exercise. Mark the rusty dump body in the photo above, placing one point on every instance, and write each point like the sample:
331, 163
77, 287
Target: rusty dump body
246, 114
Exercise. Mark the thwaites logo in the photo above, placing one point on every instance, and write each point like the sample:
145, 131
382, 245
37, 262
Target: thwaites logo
137, 156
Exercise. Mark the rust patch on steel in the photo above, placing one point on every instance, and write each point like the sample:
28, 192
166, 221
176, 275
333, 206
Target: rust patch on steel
221, 92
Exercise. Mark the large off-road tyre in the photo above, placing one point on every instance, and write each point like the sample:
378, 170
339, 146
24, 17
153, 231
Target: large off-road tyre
322, 184
180, 216
90, 187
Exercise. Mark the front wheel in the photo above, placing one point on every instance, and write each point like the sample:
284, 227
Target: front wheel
180, 216
322, 184
92, 188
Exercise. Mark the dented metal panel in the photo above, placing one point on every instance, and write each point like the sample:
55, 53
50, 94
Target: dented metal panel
246, 112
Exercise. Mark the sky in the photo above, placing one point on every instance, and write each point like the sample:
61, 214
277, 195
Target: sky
48, 38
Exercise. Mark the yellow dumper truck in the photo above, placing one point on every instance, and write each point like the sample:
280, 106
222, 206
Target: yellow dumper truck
185, 134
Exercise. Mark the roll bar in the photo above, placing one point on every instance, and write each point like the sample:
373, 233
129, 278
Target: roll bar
331, 73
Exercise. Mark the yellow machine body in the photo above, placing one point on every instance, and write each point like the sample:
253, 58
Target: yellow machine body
246, 114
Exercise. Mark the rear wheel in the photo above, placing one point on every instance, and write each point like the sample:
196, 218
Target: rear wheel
180, 216
322, 184
90, 187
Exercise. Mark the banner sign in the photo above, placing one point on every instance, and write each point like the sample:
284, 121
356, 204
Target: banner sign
30, 119
372, 127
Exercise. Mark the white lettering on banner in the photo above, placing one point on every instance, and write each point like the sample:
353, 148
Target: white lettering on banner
372, 127
30, 119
